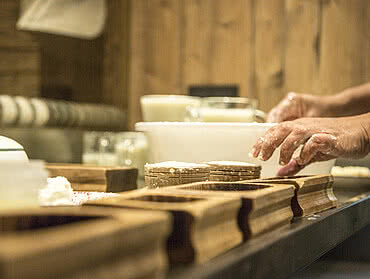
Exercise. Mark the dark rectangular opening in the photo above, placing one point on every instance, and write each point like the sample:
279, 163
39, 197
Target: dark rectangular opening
225, 187
167, 199
214, 90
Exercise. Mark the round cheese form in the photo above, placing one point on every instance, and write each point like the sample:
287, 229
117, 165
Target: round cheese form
9, 110
42, 113
26, 111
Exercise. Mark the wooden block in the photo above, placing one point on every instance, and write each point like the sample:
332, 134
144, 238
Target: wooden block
96, 178
313, 193
198, 223
43, 243
264, 206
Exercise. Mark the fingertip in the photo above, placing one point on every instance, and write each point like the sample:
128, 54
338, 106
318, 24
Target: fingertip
292, 168
254, 152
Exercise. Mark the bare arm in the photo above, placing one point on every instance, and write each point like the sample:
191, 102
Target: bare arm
351, 101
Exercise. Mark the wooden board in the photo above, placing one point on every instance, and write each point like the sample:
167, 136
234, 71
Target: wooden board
269, 47
302, 45
96, 178
154, 51
197, 225
19, 55
75, 242
265, 207
343, 51
313, 193
218, 44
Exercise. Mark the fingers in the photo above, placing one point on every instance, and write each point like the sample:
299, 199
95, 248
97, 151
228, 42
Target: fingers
292, 168
319, 147
266, 145
290, 145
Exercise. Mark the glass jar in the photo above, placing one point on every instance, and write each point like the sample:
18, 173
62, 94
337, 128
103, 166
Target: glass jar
132, 149
99, 149
226, 109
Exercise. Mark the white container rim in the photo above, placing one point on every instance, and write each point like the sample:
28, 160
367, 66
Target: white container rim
159, 97
147, 125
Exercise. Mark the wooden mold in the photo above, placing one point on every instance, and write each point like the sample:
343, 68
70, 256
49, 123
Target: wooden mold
312, 193
264, 207
202, 227
96, 178
78, 242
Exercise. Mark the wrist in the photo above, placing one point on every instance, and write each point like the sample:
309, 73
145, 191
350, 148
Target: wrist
365, 126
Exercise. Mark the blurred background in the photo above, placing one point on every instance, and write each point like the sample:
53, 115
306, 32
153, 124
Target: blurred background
258, 49
91, 78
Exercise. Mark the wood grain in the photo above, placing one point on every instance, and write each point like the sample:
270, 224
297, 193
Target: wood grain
198, 222
217, 37
20, 84
96, 178
265, 207
343, 45
116, 44
154, 51
313, 194
269, 49
302, 45
19, 55
25, 62
76, 242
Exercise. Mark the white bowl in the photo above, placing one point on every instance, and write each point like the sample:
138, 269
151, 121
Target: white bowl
200, 142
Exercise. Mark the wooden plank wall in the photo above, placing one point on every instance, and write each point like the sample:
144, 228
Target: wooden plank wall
266, 47
19, 55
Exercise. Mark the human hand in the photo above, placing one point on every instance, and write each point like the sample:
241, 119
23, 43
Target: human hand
322, 139
295, 106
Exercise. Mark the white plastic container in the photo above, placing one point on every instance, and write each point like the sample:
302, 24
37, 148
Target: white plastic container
11, 151
200, 142
20, 179
20, 183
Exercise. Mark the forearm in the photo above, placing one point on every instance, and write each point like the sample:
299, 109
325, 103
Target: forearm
352, 101
364, 121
